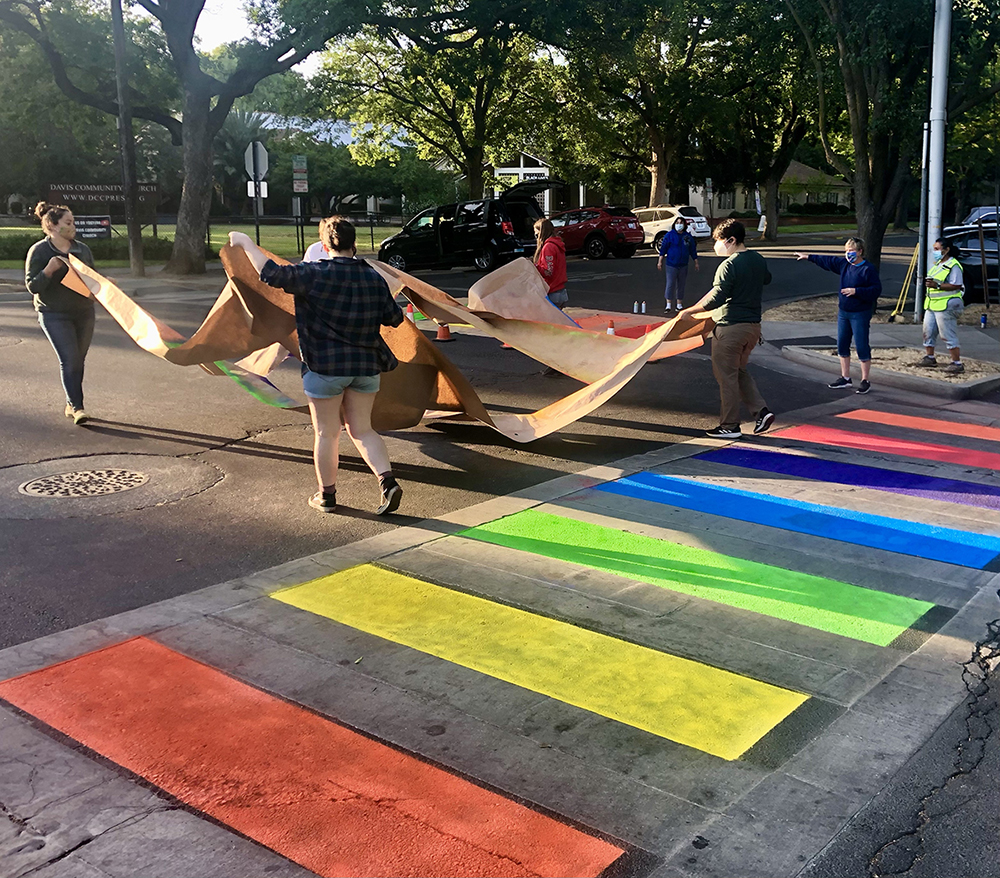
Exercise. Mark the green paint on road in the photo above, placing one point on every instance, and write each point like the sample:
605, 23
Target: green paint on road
825, 604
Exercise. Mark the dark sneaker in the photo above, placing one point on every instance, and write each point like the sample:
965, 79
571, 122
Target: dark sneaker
764, 420
841, 383
391, 495
725, 431
323, 502
954, 368
864, 387
929, 362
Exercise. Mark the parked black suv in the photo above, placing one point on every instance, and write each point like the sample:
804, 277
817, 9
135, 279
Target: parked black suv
482, 233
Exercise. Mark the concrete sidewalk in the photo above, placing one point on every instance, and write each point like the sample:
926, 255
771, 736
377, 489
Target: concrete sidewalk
803, 638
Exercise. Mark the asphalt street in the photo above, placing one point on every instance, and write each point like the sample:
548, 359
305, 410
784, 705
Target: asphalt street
236, 475
255, 515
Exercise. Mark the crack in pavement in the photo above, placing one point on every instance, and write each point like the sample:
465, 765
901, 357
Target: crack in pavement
899, 855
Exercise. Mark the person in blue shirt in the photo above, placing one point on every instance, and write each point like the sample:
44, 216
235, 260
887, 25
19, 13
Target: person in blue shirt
860, 288
677, 248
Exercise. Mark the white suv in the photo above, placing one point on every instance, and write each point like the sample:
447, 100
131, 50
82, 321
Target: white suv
657, 221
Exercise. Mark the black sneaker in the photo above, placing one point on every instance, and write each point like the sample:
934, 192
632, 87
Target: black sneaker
323, 502
391, 495
841, 383
928, 362
725, 431
764, 420
864, 387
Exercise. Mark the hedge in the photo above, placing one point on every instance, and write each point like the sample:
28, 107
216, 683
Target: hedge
17, 246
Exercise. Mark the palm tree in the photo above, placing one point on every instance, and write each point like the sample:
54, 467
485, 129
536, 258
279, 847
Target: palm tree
239, 130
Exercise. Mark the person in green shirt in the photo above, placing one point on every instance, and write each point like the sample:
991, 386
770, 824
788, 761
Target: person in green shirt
735, 299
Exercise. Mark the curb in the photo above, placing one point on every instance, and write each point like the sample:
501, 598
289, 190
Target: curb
814, 357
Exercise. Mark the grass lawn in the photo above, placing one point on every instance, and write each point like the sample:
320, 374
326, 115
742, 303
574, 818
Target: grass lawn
280, 240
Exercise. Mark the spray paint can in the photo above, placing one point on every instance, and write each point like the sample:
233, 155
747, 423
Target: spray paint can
643, 306
635, 307
982, 322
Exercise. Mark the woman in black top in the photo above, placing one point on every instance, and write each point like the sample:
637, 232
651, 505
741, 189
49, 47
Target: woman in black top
66, 317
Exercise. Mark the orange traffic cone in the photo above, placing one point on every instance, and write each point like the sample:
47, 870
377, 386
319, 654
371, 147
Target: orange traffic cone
611, 327
409, 313
444, 333
649, 328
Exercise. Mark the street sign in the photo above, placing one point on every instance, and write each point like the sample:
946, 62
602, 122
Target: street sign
252, 194
93, 226
300, 185
255, 158
299, 162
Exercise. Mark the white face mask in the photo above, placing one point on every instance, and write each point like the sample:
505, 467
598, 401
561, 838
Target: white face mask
679, 227
720, 248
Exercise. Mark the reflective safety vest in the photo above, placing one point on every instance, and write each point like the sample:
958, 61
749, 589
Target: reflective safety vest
937, 299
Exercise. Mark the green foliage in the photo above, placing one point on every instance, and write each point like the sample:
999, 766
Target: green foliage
471, 101
17, 246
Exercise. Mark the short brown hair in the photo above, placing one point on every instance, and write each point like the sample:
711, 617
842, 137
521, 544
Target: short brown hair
730, 228
337, 233
50, 214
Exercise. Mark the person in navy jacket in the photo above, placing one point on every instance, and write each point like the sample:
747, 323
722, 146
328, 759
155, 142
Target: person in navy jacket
860, 288
677, 248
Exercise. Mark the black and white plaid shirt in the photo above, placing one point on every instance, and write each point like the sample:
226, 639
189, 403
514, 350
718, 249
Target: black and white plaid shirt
340, 305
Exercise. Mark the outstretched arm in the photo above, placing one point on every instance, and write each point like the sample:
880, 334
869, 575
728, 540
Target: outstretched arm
256, 256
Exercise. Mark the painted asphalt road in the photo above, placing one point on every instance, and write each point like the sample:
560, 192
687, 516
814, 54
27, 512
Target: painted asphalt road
687, 726
258, 459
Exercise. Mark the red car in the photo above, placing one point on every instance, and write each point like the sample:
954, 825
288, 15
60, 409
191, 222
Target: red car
594, 231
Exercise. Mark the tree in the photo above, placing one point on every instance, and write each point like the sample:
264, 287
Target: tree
469, 100
638, 77
878, 53
285, 35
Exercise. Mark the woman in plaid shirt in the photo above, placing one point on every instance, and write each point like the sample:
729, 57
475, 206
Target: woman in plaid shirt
341, 304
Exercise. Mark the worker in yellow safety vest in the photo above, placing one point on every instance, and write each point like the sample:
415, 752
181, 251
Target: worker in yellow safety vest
943, 301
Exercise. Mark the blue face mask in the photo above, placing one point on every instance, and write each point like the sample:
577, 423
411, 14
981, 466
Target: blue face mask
938, 256
851, 255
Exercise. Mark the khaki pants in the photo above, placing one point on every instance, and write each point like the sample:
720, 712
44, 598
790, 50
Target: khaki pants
731, 349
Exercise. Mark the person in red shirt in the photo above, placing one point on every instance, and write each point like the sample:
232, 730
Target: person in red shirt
550, 260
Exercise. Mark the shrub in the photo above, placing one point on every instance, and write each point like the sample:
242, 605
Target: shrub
156, 249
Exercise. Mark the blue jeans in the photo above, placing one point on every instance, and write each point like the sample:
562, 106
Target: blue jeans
70, 334
676, 280
854, 324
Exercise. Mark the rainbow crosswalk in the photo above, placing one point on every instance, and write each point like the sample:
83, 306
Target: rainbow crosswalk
726, 604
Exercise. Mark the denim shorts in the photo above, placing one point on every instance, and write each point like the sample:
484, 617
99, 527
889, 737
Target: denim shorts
328, 386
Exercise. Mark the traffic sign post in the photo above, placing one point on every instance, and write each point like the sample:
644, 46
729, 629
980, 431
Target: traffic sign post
300, 186
255, 159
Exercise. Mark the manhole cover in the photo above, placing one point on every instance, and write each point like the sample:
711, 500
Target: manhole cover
85, 483
100, 484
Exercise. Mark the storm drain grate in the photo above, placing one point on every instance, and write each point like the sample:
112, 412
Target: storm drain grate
84, 483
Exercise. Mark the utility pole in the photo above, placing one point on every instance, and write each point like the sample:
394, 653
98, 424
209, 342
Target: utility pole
940, 60
126, 143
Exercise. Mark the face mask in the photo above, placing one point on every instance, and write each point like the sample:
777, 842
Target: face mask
679, 227
851, 255
720, 248
938, 256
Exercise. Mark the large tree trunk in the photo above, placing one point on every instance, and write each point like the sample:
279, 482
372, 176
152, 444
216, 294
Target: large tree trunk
474, 173
771, 184
659, 166
872, 223
188, 254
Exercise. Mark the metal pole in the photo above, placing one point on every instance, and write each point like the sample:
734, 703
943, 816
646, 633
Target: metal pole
256, 192
940, 61
918, 293
126, 143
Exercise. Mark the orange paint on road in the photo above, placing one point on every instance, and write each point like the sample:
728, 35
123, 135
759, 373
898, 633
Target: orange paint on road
882, 445
930, 425
328, 798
